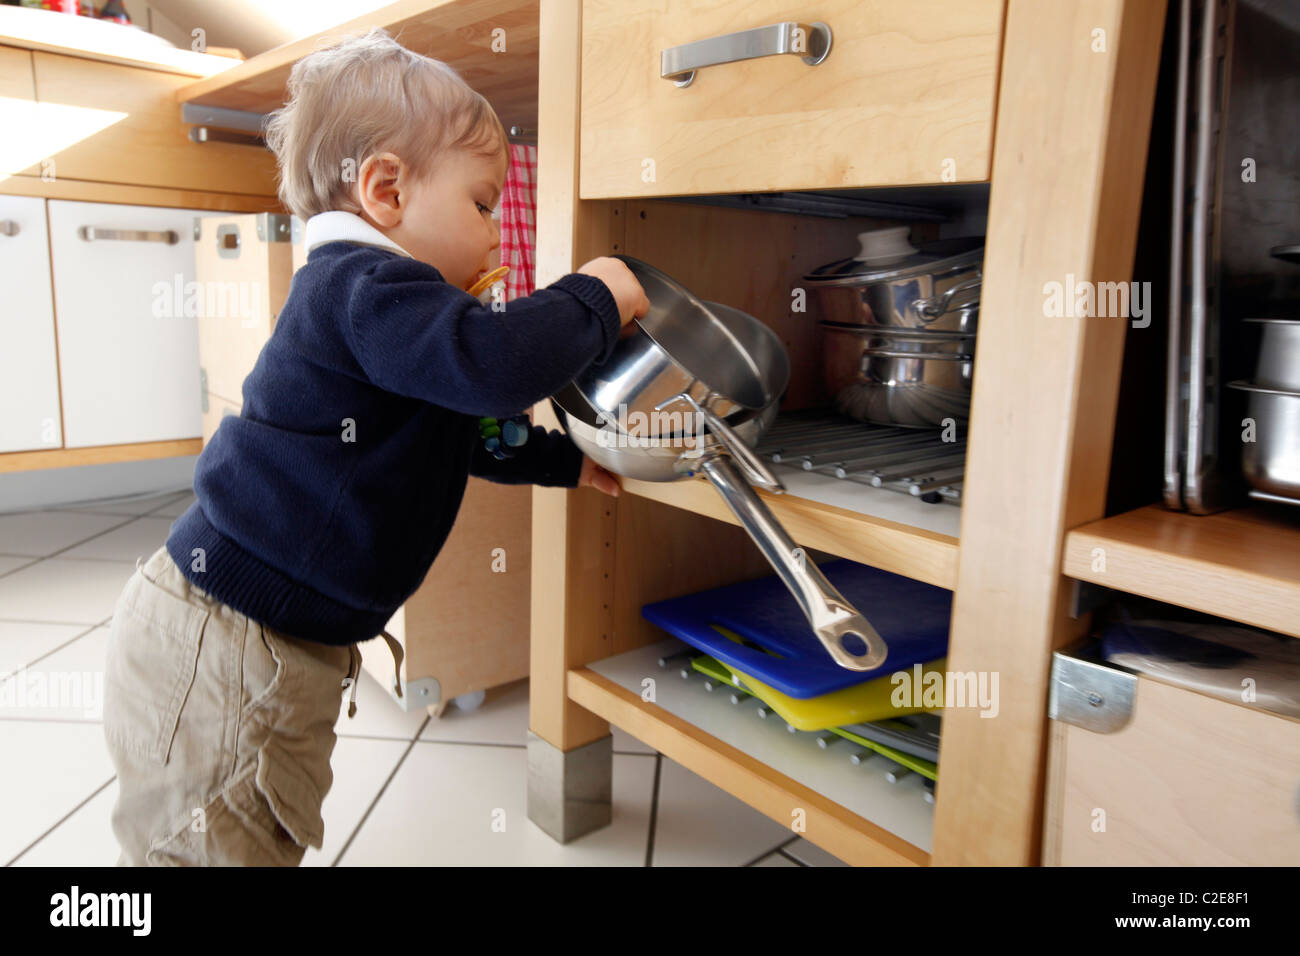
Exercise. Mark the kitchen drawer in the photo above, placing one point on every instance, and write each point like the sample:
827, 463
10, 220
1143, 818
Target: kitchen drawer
127, 328
1178, 779
905, 96
18, 153
108, 123
29, 371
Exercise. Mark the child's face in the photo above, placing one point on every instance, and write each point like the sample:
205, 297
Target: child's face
446, 218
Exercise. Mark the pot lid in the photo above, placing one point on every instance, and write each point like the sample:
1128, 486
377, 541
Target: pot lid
884, 258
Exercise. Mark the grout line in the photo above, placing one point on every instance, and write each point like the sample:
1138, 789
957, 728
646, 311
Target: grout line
21, 566
778, 848
366, 816
54, 650
62, 820
37, 620
654, 811
50, 720
793, 859
55, 554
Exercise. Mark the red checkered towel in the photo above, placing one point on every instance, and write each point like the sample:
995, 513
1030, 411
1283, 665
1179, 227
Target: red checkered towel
518, 220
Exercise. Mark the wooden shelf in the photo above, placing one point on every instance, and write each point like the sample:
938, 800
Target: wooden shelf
1243, 564
925, 555
97, 454
458, 32
849, 810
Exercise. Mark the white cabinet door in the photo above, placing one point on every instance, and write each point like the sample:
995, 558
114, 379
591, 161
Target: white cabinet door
128, 331
29, 374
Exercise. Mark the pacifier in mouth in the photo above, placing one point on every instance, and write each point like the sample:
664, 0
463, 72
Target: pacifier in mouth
488, 280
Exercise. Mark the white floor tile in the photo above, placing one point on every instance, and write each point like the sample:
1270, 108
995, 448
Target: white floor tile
139, 539
699, 824
64, 590
176, 508
22, 642
502, 718
378, 715
38, 533
360, 768
84, 839
9, 563
49, 768
137, 507
66, 685
443, 803
811, 854
776, 859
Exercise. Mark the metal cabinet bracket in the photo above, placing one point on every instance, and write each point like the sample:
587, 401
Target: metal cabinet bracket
1090, 695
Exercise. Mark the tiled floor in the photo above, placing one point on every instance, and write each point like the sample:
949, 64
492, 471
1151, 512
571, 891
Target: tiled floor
409, 790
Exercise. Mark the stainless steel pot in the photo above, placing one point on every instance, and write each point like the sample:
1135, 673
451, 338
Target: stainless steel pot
682, 348
847, 636
936, 287
1271, 462
899, 377
1279, 353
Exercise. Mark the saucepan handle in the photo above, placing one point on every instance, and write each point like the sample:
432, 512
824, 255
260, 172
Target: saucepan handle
832, 617
750, 463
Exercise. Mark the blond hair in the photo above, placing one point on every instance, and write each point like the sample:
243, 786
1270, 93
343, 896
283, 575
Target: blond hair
364, 95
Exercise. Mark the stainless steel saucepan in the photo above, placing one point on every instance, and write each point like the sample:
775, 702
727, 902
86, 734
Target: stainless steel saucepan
668, 456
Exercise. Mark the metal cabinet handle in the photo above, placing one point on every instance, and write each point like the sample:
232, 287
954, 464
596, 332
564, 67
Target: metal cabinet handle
679, 63
8, 227
94, 233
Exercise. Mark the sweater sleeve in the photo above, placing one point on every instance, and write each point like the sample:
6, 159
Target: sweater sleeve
546, 458
416, 335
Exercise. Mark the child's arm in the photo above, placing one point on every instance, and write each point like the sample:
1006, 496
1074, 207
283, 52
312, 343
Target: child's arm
416, 335
546, 458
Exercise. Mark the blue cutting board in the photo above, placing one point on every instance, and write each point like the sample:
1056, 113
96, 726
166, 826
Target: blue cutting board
912, 617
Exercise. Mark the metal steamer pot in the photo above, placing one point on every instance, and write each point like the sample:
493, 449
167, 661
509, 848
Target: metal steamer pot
724, 346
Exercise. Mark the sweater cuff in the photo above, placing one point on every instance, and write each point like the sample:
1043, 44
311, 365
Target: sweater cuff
595, 295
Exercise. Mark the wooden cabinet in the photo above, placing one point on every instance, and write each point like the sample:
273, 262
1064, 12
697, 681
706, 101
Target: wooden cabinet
127, 319
1185, 780
905, 95
29, 372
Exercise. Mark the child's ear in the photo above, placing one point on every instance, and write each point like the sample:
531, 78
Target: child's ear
380, 188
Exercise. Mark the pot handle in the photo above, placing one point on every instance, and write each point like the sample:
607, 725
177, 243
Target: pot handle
829, 614
929, 309
750, 463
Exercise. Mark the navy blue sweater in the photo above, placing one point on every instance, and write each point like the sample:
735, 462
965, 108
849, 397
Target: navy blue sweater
323, 504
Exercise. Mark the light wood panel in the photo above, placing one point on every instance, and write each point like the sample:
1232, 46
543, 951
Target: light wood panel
98, 455
1242, 564
131, 195
17, 111
918, 554
459, 32
908, 88
1068, 166
109, 123
1189, 781
102, 40
839, 830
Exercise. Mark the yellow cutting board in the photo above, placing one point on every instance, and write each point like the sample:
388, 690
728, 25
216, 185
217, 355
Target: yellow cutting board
860, 704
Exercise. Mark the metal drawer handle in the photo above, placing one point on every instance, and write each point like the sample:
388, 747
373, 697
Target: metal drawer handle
8, 228
679, 63
94, 233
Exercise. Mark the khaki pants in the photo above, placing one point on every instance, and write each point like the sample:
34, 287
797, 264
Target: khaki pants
221, 729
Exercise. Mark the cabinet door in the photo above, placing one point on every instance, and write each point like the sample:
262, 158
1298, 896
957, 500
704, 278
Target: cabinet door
29, 374
905, 95
128, 332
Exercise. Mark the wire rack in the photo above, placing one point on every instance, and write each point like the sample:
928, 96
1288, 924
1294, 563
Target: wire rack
911, 461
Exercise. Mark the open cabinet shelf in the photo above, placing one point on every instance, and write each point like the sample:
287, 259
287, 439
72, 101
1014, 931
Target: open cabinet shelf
1242, 564
849, 810
892, 545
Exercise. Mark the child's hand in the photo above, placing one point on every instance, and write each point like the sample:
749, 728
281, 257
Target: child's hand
627, 292
597, 477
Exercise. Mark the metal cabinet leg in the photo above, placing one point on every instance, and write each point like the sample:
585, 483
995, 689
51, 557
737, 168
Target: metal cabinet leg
570, 794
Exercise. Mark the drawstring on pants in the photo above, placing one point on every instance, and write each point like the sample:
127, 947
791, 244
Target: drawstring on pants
354, 672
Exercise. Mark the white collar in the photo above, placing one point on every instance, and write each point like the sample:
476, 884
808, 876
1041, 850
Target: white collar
339, 225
